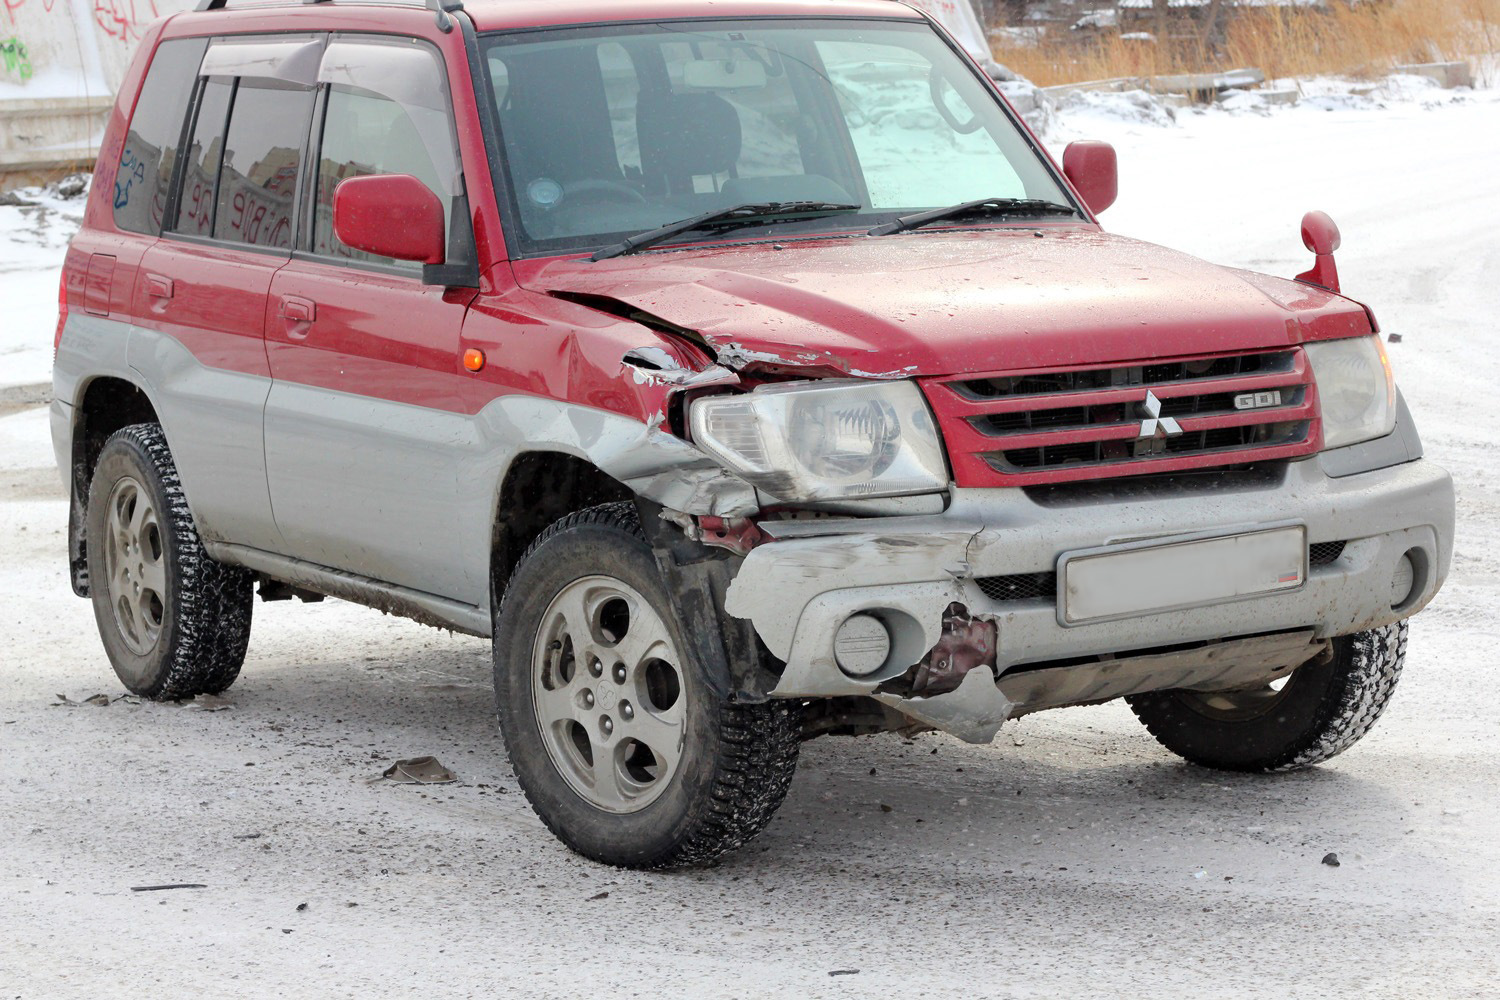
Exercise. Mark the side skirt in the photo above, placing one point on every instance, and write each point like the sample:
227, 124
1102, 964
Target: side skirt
426, 609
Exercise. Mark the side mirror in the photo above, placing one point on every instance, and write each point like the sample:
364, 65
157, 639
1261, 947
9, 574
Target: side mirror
1321, 235
1090, 167
390, 215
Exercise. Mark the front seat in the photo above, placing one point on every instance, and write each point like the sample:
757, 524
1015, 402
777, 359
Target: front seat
686, 136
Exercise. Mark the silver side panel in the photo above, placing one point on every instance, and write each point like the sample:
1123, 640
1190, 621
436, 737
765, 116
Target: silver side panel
408, 494
212, 419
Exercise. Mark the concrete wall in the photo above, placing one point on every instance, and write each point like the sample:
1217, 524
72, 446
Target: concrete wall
60, 63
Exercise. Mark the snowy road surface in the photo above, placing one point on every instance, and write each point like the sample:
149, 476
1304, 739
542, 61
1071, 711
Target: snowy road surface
1072, 858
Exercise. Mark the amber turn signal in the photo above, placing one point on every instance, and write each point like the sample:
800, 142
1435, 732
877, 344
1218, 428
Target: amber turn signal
473, 359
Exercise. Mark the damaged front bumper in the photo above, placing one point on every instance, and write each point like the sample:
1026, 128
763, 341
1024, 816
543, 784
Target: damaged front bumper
911, 572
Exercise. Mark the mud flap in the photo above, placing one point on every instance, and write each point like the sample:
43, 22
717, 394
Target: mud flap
734, 663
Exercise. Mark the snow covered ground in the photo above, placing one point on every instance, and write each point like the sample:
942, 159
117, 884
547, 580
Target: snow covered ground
1073, 858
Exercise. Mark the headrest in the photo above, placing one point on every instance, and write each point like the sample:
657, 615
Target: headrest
685, 135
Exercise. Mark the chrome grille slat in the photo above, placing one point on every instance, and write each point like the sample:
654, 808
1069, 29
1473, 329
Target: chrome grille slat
1145, 375
1129, 419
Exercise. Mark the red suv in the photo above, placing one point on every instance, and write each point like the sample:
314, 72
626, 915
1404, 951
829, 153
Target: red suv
747, 371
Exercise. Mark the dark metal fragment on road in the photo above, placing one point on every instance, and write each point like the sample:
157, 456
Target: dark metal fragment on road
426, 770
1331, 860
174, 885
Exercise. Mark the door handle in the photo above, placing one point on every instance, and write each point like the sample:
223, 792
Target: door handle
298, 314
159, 289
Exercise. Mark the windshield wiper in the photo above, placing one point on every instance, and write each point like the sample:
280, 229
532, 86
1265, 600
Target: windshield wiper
725, 218
984, 206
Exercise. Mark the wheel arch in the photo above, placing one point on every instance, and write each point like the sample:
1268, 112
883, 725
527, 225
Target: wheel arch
104, 404
540, 487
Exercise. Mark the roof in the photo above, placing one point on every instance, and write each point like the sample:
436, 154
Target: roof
495, 15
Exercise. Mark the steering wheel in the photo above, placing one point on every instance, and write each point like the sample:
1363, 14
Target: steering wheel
935, 83
605, 190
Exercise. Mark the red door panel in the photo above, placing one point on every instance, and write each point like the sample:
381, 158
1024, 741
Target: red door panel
364, 440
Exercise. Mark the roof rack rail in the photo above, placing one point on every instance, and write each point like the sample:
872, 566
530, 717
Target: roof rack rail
440, 8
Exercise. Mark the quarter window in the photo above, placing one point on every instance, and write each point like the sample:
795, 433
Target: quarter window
150, 152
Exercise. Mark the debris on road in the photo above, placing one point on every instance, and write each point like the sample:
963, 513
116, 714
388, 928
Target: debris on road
1331, 860
426, 770
843, 972
174, 885
207, 703
97, 700
598, 896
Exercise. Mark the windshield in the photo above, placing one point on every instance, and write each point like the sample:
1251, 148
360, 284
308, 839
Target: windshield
616, 130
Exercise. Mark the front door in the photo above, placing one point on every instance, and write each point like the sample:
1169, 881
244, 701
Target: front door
363, 436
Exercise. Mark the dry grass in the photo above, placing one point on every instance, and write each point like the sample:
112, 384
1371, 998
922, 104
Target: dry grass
1363, 40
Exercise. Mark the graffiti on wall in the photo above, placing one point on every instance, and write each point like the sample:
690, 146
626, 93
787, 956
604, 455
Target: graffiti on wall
124, 19
17, 62
11, 6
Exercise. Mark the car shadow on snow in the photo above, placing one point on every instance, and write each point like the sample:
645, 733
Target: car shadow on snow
1070, 796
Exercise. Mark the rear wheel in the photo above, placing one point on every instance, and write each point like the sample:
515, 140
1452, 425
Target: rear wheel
1318, 712
614, 734
174, 622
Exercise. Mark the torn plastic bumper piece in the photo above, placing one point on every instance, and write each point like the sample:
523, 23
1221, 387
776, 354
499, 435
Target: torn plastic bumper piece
974, 711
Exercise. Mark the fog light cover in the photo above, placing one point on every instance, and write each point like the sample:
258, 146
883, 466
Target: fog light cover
1403, 581
862, 645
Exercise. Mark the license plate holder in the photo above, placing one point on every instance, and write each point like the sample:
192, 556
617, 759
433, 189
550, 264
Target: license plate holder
1113, 582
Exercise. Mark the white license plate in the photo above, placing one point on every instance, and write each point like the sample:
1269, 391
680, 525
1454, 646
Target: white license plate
1124, 581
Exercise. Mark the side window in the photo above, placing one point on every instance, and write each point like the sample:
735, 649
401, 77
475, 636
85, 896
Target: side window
388, 112
258, 178
195, 206
150, 153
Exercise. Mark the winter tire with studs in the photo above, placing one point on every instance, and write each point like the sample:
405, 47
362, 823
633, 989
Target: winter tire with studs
175, 623
617, 739
1318, 712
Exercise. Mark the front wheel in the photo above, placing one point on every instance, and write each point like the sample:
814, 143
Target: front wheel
616, 737
1320, 711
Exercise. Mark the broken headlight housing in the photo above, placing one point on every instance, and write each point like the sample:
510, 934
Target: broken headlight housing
832, 440
1356, 390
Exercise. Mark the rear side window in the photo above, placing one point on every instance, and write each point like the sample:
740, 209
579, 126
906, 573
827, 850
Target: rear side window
263, 151
150, 153
248, 141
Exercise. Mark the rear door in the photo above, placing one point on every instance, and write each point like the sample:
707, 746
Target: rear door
200, 294
364, 437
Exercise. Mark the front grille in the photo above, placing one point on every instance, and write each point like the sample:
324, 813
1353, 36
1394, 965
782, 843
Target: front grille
1149, 418
1323, 553
1019, 586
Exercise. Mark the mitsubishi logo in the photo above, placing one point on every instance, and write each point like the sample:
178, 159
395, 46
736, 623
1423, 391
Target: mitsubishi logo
1155, 428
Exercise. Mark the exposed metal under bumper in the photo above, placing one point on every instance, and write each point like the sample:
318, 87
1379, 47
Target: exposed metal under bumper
1219, 666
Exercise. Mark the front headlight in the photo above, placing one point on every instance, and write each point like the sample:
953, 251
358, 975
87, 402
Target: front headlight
1356, 390
804, 441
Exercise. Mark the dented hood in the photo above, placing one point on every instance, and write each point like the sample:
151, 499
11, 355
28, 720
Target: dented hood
946, 303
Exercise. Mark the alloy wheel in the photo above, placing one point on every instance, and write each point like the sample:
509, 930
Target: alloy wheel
609, 694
